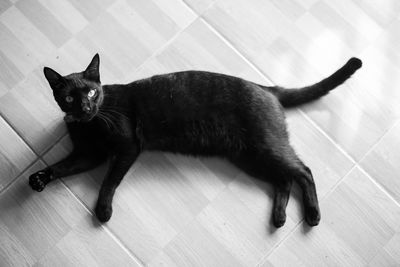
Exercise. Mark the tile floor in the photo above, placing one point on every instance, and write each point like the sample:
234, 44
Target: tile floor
172, 210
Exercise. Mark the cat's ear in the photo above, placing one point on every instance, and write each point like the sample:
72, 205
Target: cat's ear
55, 80
92, 71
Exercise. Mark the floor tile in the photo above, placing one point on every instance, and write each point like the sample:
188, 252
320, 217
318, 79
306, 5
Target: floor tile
15, 155
91, 9
52, 228
87, 244
269, 44
27, 33
358, 220
32, 222
9, 75
382, 162
228, 226
384, 259
33, 113
198, 48
4, 5
195, 246
199, 6
114, 34
202, 173
66, 14
45, 21
358, 114
18, 53
382, 13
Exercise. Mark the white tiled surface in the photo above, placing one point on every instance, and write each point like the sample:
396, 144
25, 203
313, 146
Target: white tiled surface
172, 210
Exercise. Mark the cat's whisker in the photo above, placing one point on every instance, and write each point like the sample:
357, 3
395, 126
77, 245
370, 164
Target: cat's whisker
106, 120
110, 120
114, 112
102, 119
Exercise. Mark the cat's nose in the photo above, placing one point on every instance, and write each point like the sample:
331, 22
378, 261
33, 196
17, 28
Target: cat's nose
86, 108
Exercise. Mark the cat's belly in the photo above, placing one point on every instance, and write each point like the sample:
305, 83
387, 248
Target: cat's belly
194, 138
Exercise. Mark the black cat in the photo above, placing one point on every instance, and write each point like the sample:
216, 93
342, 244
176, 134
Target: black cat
190, 112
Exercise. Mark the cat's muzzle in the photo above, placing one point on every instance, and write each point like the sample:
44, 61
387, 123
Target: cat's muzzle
68, 118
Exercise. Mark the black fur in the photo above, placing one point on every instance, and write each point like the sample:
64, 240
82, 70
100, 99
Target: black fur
191, 112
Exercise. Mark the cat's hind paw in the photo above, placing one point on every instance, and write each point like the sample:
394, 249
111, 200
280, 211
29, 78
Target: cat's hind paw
103, 213
312, 216
279, 219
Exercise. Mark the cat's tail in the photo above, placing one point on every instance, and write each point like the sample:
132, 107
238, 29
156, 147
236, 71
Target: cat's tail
294, 97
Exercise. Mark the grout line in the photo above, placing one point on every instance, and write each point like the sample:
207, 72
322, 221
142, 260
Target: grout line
377, 184
58, 140
13, 181
38, 156
379, 140
166, 44
194, 11
330, 139
243, 57
5, 187
355, 162
106, 229
18, 134
373, 180
229, 44
277, 245
336, 185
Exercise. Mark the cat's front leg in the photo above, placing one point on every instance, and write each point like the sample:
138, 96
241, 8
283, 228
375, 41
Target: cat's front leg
120, 164
75, 163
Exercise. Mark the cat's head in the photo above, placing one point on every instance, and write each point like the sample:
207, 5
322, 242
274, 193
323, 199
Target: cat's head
79, 95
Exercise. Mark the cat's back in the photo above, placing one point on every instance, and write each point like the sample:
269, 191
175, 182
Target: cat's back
197, 91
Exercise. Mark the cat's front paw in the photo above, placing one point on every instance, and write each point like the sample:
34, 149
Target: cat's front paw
38, 180
103, 212
279, 218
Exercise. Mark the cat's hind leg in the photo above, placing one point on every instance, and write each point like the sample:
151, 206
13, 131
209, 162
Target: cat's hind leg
310, 200
280, 166
287, 166
281, 199
257, 164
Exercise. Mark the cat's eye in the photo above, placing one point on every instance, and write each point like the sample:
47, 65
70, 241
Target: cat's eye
92, 93
69, 99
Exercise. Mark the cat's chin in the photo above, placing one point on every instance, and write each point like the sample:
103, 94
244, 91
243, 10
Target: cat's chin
70, 118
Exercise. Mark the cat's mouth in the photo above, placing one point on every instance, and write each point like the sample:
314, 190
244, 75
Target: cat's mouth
86, 117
